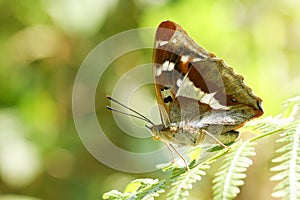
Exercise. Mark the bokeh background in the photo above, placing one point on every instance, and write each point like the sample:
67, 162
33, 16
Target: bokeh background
43, 43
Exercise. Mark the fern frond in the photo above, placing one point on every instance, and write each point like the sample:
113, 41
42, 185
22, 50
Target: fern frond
184, 182
232, 172
267, 125
153, 190
291, 107
145, 189
288, 169
114, 194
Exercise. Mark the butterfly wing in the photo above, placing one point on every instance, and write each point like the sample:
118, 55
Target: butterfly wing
192, 84
170, 68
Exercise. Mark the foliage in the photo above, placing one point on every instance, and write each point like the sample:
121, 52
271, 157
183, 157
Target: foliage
288, 163
232, 173
145, 189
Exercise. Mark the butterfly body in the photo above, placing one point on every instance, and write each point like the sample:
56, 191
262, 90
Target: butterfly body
179, 134
192, 133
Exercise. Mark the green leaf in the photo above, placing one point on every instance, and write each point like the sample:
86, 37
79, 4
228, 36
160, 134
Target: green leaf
113, 194
132, 187
231, 173
184, 182
288, 169
291, 107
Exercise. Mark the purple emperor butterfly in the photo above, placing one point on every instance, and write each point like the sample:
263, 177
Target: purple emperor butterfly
198, 94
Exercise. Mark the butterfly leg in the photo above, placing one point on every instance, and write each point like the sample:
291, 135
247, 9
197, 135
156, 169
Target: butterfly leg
172, 154
216, 139
170, 146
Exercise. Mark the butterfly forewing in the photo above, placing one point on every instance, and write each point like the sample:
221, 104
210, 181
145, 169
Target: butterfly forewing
172, 57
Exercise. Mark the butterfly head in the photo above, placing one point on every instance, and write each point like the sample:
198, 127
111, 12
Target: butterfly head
156, 131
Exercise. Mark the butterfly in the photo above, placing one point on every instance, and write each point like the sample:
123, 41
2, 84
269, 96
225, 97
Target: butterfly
198, 95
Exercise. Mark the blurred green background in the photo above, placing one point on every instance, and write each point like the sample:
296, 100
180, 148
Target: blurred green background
43, 43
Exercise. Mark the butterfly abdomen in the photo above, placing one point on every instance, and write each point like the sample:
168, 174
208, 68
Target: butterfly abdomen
182, 134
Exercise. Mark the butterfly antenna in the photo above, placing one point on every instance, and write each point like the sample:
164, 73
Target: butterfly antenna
128, 114
138, 116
